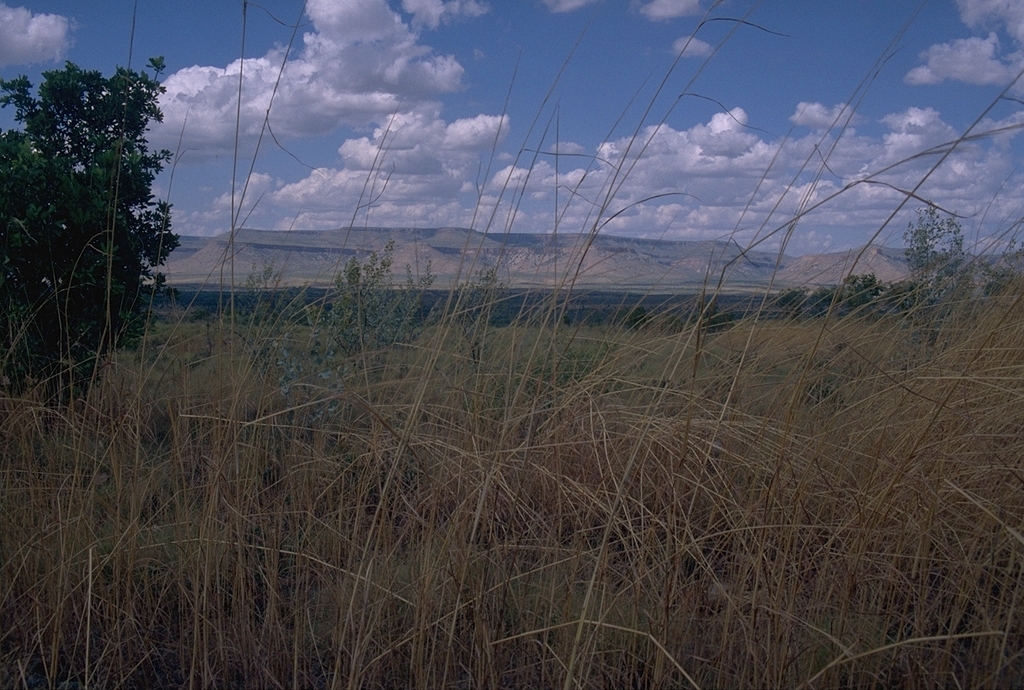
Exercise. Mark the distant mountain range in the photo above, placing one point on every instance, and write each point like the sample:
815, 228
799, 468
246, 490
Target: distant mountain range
603, 262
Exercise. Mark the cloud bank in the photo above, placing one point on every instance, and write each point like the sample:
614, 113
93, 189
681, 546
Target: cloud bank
27, 38
976, 59
361, 64
716, 179
364, 80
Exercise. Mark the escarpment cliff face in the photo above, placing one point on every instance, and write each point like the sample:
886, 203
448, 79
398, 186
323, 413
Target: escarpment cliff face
454, 255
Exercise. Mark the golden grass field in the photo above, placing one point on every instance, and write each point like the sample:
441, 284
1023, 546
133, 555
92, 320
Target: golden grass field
826, 502
813, 502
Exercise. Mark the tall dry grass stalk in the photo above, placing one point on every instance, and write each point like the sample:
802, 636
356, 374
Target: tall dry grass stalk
787, 504
809, 503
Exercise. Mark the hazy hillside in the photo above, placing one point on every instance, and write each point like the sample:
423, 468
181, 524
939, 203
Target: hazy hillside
522, 260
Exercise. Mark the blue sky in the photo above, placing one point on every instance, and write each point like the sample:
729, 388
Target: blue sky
425, 113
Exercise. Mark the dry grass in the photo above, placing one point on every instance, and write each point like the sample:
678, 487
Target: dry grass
810, 504
832, 502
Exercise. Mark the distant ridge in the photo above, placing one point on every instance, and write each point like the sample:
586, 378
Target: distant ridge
605, 262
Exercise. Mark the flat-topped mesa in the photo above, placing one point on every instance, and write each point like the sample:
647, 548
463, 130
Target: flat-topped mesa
453, 255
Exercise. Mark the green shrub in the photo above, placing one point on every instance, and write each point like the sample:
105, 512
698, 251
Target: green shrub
77, 258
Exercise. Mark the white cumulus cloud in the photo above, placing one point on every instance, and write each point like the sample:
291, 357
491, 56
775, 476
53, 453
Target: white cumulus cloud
819, 116
414, 166
567, 5
431, 13
476, 133
985, 13
669, 9
721, 179
360, 65
715, 179
978, 59
348, 21
690, 46
915, 130
26, 37
971, 60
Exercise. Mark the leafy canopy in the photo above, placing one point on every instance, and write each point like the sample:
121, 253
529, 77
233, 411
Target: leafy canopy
80, 230
935, 253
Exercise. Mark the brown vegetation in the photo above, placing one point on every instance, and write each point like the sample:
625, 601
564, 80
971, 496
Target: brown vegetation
818, 503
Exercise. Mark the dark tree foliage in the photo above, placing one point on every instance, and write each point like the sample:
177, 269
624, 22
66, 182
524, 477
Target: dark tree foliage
935, 245
939, 265
80, 230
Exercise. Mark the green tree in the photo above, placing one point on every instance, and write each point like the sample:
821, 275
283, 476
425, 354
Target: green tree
819, 302
789, 303
859, 291
80, 231
1001, 272
368, 312
634, 317
352, 329
936, 256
